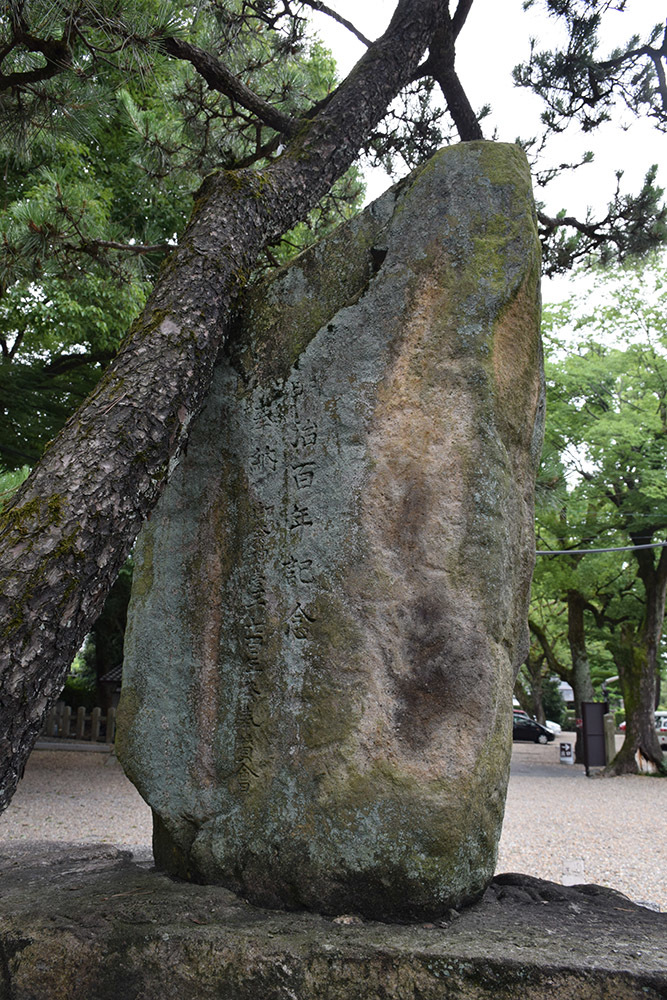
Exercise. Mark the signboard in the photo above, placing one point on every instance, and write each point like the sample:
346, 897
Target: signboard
593, 713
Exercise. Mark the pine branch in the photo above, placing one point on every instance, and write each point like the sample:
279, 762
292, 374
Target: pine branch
56, 52
440, 65
69, 362
92, 246
317, 5
655, 55
219, 78
460, 16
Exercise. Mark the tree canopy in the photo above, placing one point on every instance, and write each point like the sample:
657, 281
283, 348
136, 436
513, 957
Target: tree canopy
229, 103
607, 425
93, 205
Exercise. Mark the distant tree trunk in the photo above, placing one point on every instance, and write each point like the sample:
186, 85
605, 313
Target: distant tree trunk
635, 651
554, 664
530, 696
71, 526
582, 685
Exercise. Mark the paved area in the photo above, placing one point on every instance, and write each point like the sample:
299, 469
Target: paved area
558, 822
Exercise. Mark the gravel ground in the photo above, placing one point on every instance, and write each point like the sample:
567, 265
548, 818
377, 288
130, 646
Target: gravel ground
559, 824
611, 829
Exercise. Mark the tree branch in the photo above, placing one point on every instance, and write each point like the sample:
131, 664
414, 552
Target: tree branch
460, 16
68, 362
92, 246
655, 55
219, 78
55, 51
440, 65
317, 5
555, 665
590, 229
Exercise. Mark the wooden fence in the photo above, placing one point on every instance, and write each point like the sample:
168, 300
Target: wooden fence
63, 723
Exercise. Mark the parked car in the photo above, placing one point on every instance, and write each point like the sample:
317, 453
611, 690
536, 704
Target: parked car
528, 731
553, 726
661, 728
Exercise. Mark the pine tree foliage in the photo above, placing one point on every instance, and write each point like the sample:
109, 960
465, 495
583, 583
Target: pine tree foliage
577, 84
95, 201
583, 87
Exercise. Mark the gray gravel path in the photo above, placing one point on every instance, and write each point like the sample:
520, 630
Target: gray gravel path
614, 831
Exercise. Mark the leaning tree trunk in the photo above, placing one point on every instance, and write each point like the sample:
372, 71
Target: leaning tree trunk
635, 654
582, 685
71, 526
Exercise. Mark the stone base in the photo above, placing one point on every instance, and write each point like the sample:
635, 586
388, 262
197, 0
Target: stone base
90, 923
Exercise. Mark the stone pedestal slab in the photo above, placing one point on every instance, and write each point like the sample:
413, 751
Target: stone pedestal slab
88, 924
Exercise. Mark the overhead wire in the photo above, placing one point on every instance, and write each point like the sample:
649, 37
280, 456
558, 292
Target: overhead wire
584, 552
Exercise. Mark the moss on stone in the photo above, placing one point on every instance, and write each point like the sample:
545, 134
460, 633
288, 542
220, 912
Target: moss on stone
129, 708
142, 576
285, 312
335, 782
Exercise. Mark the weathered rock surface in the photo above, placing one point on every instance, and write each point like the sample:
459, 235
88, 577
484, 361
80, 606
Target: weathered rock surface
330, 601
88, 924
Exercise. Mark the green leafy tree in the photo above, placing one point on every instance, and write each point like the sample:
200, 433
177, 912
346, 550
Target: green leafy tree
577, 601
609, 425
224, 68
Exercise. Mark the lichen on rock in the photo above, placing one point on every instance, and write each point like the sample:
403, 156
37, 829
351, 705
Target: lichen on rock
321, 652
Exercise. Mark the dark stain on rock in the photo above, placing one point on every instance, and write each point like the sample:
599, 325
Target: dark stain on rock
437, 686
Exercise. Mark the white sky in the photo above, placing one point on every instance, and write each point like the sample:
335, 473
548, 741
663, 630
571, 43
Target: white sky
495, 38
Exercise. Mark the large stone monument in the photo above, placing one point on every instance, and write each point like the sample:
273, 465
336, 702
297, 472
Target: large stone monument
330, 600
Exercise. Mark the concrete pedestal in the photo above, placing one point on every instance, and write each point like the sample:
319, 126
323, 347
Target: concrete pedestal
90, 924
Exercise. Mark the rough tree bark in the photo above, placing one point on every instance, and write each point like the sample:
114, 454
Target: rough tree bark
71, 526
635, 652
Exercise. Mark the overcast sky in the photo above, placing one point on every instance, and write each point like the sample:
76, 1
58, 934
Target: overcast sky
495, 38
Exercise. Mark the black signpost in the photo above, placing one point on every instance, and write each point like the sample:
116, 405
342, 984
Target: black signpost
592, 715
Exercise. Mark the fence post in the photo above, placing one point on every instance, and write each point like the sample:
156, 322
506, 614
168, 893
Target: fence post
80, 722
111, 725
609, 736
95, 724
52, 723
66, 720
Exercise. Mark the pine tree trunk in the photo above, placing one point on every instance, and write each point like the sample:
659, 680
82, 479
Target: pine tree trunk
68, 531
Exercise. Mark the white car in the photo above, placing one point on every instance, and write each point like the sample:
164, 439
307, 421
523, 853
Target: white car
660, 727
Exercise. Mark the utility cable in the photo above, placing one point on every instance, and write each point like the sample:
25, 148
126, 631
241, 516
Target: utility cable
583, 552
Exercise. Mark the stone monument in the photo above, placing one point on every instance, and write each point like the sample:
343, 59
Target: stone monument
329, 603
